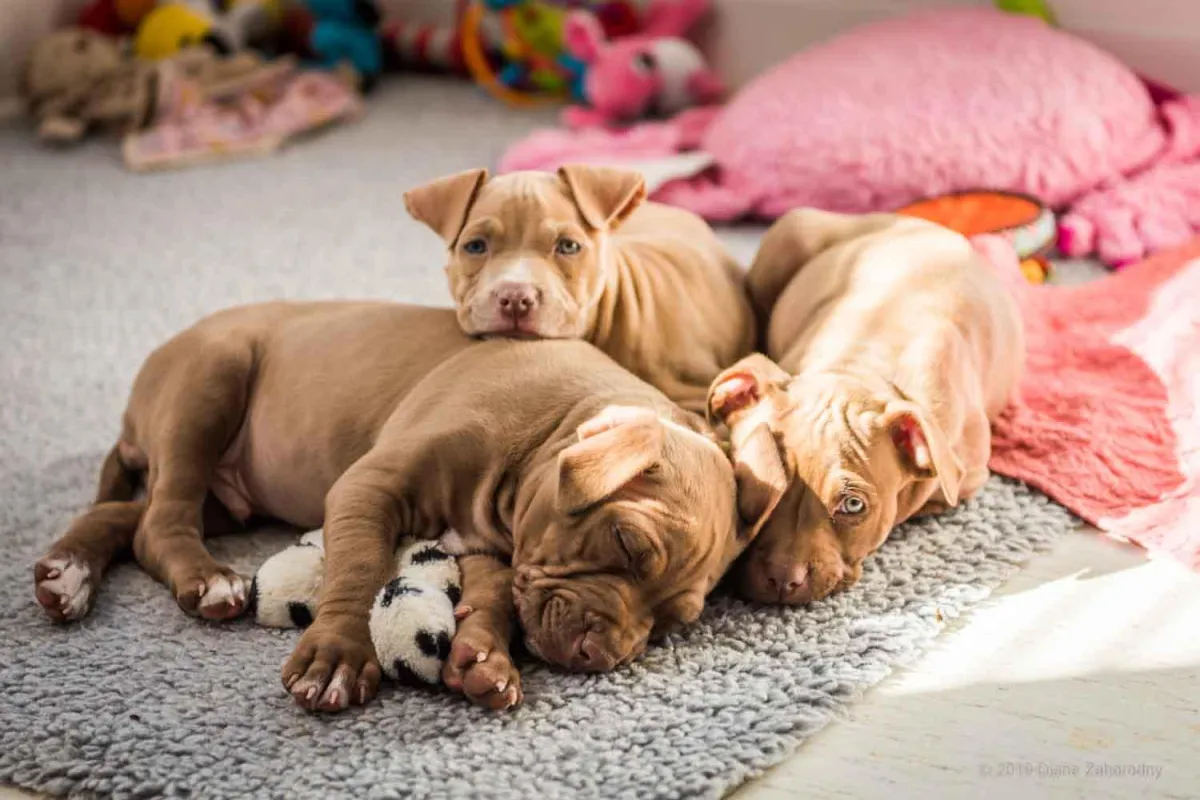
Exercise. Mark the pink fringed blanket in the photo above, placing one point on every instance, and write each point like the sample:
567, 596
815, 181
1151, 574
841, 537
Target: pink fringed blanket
1107, 420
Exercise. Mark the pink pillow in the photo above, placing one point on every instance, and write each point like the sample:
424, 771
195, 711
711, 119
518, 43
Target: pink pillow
930, 103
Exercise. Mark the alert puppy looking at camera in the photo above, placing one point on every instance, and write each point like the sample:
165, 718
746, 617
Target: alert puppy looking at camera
579, 254
894, 345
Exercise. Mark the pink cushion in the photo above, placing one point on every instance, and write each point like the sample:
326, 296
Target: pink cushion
930, 103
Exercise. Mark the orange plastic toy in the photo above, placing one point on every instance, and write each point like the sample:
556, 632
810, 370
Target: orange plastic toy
1029, 226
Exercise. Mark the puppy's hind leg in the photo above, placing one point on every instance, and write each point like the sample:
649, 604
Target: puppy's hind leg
67, 578
197, 409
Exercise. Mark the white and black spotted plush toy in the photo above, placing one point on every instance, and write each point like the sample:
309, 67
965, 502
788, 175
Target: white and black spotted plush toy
412, 619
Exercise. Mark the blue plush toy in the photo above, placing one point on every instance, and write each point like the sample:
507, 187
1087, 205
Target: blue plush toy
336, 32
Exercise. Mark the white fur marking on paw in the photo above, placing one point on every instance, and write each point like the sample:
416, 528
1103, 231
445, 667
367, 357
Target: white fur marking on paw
452, 542
224, 592
71, 585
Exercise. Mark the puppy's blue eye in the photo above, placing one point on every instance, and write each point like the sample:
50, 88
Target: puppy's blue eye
852, 505
475, 247
568, 247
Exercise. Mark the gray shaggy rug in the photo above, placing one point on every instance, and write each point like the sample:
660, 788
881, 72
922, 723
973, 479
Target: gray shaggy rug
97, 266
140, 701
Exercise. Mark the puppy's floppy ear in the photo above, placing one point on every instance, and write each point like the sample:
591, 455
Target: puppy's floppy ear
604, 196
923, 447
444, 204
742, 388
762, 479
614, 447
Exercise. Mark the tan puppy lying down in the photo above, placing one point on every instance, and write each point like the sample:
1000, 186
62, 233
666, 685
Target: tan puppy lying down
588, 503
579, 255
896, 345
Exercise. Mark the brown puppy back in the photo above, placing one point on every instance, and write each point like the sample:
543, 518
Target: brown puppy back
894, 344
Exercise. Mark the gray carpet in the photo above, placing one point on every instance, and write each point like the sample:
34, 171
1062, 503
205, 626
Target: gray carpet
97, 266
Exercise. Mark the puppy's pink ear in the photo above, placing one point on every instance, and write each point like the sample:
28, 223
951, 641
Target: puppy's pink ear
444, 204
614, 448
742, 387
762, 479
604, 196
923, 447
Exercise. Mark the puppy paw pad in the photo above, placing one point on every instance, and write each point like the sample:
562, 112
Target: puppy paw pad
63, 587
223, 597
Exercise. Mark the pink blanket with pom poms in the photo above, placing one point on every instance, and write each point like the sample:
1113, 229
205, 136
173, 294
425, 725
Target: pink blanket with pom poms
1107, 422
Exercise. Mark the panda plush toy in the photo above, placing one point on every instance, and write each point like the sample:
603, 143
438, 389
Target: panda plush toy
412, 618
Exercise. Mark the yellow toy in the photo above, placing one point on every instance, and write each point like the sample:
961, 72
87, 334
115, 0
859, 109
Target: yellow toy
171, 27
175, 25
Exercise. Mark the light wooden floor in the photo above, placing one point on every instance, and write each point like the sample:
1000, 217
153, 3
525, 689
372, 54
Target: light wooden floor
1089, 657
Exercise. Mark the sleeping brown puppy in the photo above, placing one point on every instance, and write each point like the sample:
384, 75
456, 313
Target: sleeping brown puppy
588, 503
896, 345
579, 255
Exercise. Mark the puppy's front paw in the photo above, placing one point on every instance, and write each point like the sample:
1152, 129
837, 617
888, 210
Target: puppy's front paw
332, 667
483, 672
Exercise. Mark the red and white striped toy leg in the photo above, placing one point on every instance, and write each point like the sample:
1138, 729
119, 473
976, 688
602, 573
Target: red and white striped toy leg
423, 46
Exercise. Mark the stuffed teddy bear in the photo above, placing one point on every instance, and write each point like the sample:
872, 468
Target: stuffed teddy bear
77, 79
656, 71
412, 619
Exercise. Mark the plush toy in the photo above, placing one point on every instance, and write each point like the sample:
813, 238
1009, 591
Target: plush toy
423, 46
227, 27
656, 71
77, 80
253, 114
335, 33
114, 17
412, 619
1034, 8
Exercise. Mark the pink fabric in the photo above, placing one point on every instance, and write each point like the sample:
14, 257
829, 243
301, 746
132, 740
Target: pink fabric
1157, 209
935, 102
1106, 421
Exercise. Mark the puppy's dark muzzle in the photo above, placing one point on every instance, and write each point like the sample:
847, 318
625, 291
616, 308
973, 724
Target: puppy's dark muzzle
559, 633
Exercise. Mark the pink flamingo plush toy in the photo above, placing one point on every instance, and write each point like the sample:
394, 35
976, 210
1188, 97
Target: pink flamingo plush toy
653, 72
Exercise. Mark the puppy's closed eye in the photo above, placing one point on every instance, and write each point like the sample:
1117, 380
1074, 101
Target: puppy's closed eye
636, 551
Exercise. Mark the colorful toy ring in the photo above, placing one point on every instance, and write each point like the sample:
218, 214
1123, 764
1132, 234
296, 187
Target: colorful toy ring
477, 63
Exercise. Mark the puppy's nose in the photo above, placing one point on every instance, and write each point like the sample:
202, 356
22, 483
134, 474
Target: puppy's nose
516, 300
789, 581
590, 657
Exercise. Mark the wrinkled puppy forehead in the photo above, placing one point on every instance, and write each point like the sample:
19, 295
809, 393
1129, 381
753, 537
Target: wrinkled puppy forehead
525, 197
